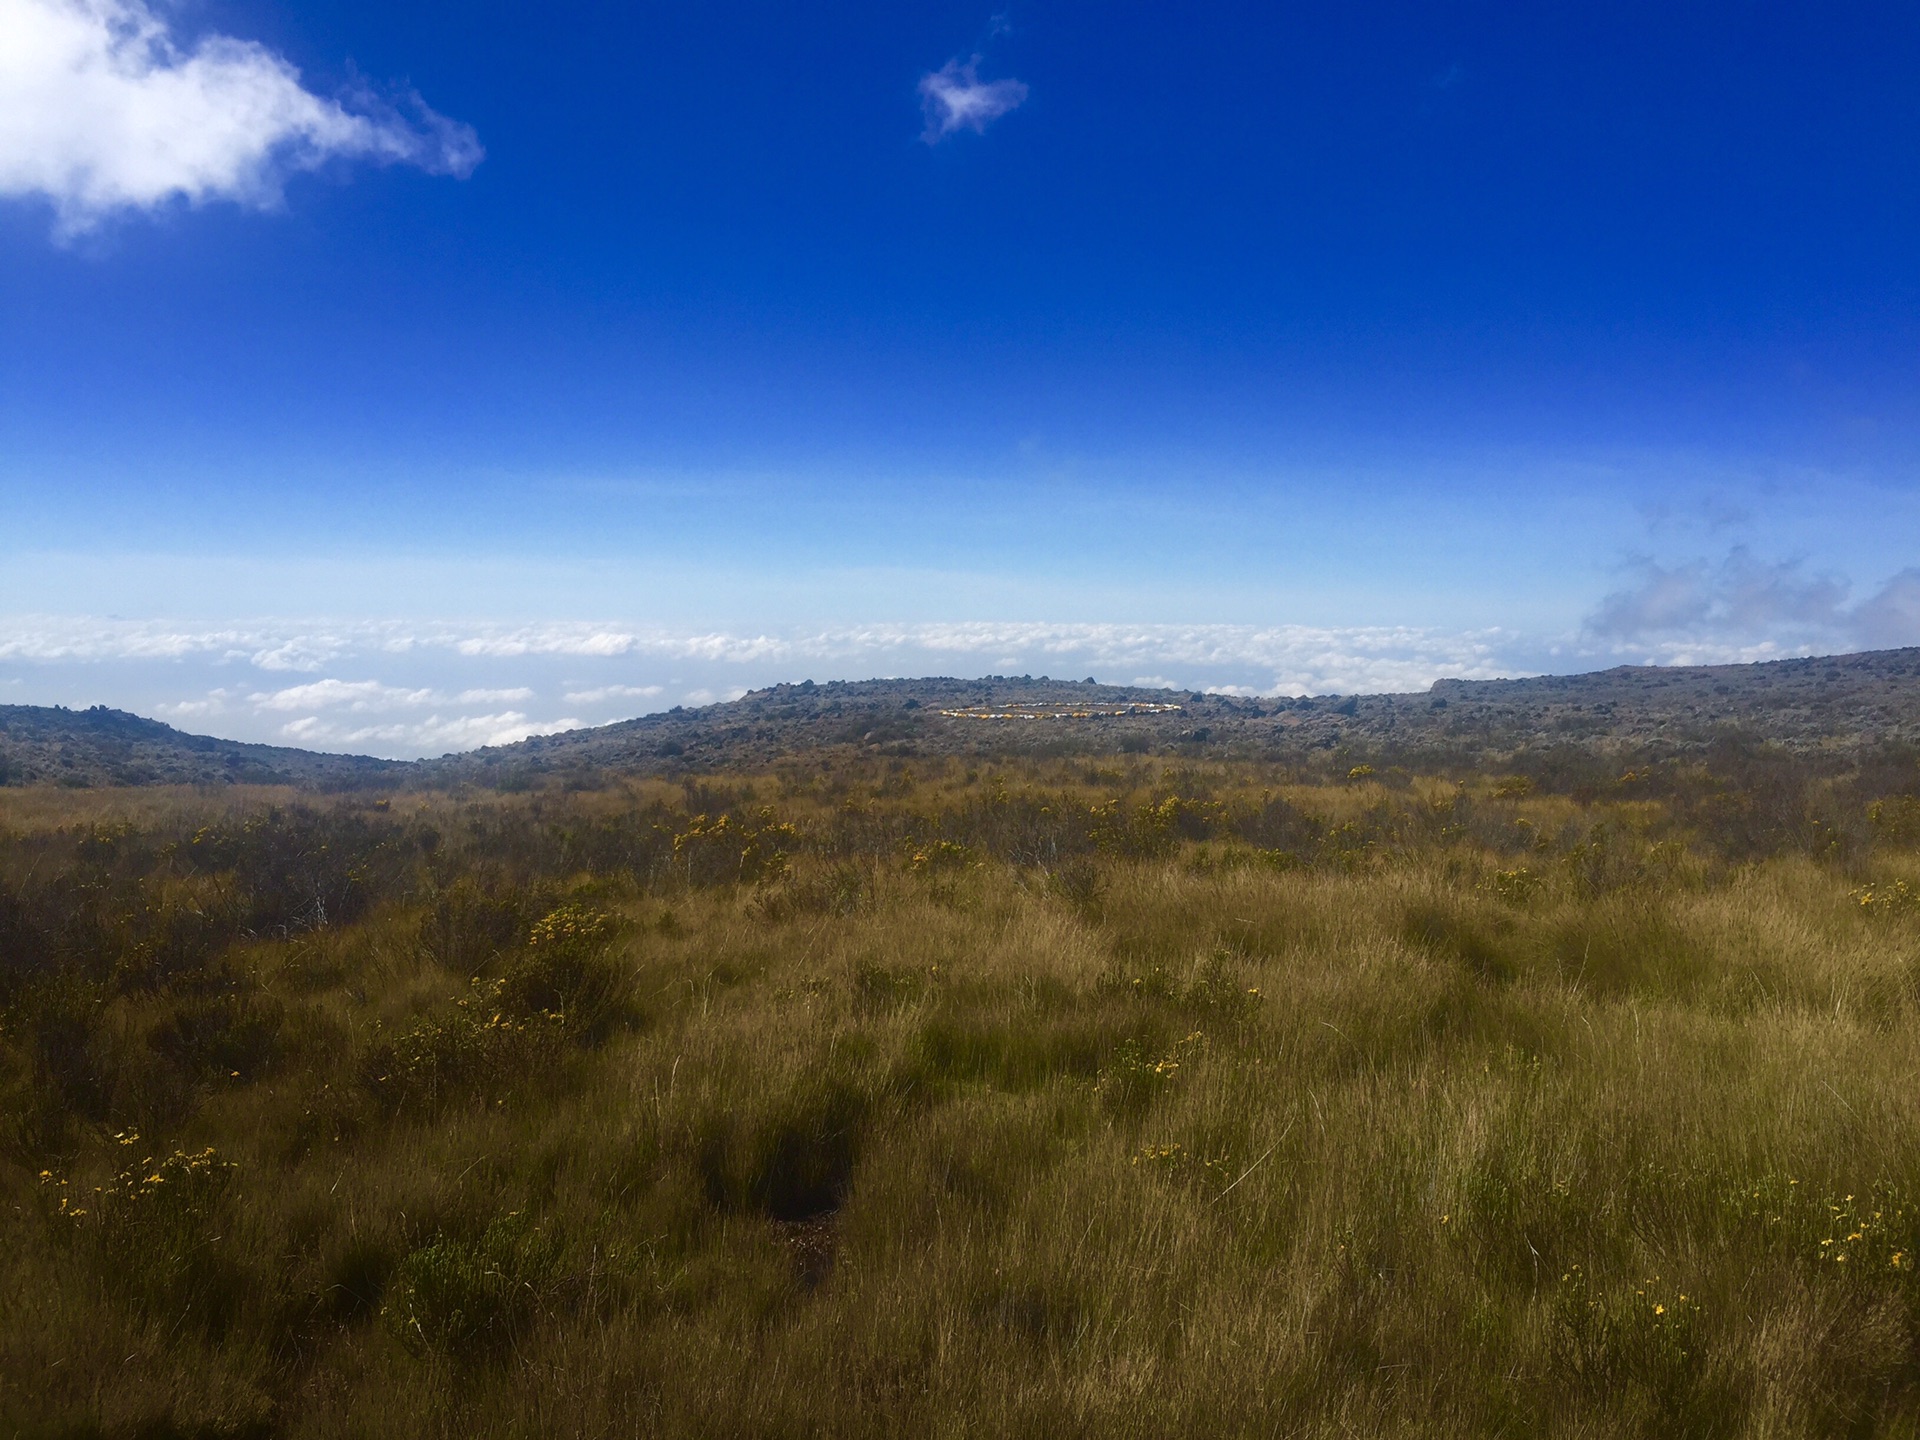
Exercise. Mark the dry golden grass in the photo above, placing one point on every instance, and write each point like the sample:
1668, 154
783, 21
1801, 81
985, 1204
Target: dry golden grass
1136, 1103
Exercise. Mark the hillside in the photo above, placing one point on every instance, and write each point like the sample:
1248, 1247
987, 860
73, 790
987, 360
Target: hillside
1841, 702
1837, 705
42, 745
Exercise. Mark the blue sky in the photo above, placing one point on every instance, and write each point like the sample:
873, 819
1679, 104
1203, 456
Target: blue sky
1274, 348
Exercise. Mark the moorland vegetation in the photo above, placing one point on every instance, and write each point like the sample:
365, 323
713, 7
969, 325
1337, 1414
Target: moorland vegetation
1129, 1096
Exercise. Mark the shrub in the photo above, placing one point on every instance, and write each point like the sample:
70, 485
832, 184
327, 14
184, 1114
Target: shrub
1892, 897
564, 975
466, 928
726, 850
477, 1053
1896, 819
232, 1034
1136, 1077
63, 1017
150, 1232
466, 1298
1515, 887
1177, 1163
1619, 1346
300, 869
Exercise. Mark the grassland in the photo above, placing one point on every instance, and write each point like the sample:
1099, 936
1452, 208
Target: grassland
1128, 1098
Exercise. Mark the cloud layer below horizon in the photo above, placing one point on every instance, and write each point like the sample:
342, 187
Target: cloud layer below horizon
405, 689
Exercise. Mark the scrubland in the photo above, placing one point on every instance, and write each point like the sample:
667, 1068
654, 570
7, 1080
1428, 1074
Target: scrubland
1035, 1098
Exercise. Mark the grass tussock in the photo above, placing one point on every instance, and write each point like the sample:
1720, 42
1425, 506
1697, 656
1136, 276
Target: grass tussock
1137, 1101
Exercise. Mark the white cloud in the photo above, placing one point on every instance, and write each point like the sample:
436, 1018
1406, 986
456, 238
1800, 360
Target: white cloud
612, 692
954, 98
356, 695
1892, 616
435, 734
102, 110
1303, 658
548, 640
1742, 607
705, 696
301, 653
214, 704
54, 638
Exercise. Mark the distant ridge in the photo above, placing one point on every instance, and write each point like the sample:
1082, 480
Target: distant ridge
1831, 703
51, 745
1837, 704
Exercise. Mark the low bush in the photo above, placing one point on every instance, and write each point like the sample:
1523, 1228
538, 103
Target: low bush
467, 1298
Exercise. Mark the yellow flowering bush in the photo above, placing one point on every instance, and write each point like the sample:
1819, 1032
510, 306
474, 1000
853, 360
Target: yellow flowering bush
1176, 1163
149, 1228
938, 856
1137, 1076
1610, 1340
1514, 887
725, 850
1888, 897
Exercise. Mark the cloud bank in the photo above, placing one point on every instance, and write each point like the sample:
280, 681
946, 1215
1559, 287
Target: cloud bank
1752, 605
1297, 659
102, 111
406, 688
954, 98
403, 689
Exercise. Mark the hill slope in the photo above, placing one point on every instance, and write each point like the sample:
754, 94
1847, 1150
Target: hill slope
53, 745
1837, 705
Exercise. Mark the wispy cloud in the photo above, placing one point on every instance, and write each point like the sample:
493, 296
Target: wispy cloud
337, 714
955, 98
705, 696
355, 695
103, 110
303, 652
612, 692
1745, 606
434, 734
1891, 616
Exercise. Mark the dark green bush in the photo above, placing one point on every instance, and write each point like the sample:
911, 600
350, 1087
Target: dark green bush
234, 1034
466, 927
464, 1298
477, 1054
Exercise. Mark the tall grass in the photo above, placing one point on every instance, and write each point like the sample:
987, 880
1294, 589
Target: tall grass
1137, 1101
